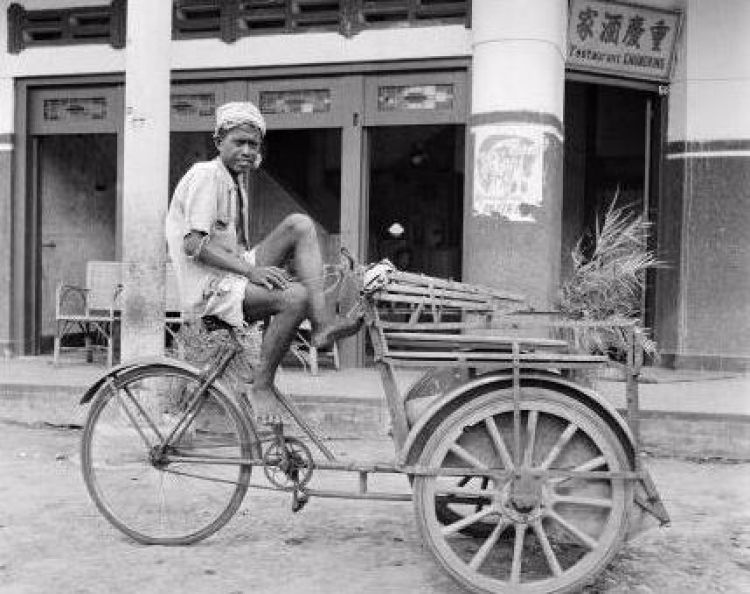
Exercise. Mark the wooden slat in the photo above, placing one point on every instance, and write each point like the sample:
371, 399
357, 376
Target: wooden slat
424, 280
435, 293
472, 339
551, 359
490, 364
440, 303
429, 326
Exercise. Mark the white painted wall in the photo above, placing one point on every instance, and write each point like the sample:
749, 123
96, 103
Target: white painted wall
710, 89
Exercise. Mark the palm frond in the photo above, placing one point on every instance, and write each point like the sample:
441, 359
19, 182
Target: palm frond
609, 271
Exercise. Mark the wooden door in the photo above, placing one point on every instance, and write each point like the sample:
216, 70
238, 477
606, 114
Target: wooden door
77, 196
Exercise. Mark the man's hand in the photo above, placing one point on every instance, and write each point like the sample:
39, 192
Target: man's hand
270, 277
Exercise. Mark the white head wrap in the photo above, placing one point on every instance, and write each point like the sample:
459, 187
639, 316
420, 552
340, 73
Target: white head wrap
238, 113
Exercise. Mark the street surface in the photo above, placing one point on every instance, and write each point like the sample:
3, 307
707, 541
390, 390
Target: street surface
52, 539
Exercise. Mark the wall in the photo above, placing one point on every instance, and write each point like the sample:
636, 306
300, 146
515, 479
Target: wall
247, 52
703, 305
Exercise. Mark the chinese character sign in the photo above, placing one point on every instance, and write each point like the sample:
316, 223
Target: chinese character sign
622, 39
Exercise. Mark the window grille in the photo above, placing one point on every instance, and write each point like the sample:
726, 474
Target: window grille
75, 109
66, 26
193, 105
230, 19
373, 13
295, 101
422, 97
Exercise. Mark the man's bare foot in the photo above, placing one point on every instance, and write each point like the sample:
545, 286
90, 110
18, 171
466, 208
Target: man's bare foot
265, 405
340, 328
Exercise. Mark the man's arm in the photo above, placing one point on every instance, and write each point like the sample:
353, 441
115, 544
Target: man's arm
197, 244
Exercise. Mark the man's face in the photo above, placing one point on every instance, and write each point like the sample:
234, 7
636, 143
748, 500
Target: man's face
239, 148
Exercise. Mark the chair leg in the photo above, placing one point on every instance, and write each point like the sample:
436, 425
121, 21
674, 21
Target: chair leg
56, 348
336, 360
87, 344
314, 360
108, 335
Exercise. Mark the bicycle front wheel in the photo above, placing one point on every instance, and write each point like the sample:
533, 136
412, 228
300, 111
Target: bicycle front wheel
170, 495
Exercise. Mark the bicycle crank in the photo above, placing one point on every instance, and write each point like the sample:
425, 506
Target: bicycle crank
288, 465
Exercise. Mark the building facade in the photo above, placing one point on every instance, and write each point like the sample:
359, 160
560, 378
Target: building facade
473, 139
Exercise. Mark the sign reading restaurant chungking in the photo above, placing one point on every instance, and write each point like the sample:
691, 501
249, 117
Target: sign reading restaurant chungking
622, 39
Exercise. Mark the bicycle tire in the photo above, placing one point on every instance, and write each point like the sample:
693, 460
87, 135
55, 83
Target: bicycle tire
132, 491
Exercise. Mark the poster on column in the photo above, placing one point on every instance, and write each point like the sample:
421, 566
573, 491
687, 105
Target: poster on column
508, 171
622, 38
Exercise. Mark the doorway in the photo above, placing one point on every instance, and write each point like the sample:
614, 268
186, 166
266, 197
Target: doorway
76, 187
416, 181
611, 151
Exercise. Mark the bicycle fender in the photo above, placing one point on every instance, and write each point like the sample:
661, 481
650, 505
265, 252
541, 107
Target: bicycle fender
453, 399
94, 388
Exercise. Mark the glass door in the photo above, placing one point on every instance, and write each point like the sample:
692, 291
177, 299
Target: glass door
416, 162
416, 197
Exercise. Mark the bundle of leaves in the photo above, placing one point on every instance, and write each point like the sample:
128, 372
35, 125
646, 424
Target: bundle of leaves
609, 270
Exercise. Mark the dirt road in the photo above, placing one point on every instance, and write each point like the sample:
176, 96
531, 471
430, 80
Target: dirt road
52, 539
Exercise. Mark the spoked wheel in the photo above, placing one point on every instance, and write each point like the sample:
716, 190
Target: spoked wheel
157, 494
523, 534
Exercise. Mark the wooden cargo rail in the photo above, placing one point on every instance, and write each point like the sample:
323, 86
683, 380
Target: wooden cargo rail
418, 320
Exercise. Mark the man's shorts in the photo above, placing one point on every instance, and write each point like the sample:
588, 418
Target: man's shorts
225, 295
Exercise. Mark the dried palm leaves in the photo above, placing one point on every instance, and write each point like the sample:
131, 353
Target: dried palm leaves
609, 268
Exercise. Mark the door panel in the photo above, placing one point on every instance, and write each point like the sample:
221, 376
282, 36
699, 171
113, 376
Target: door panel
77, 201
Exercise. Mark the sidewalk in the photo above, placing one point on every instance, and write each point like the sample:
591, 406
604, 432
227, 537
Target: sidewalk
684, 412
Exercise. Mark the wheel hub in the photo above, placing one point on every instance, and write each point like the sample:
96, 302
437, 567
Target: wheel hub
157, 456
523, 498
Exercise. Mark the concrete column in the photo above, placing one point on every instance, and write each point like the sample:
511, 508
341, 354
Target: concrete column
6, 197
512, 223
145, 176
703, 310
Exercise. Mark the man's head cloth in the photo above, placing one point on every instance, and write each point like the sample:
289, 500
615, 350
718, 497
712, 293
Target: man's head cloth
238, 113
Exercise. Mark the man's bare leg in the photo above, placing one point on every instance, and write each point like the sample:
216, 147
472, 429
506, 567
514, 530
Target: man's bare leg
296, 237
288, 308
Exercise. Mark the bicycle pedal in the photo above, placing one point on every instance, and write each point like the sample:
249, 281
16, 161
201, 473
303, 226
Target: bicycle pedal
299, 500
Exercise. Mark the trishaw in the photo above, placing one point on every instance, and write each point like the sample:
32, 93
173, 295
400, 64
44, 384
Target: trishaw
522, 478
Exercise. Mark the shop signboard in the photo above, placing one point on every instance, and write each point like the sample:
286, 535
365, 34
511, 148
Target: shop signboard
622, 39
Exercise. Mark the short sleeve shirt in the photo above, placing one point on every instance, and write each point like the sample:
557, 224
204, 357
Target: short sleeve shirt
205, 200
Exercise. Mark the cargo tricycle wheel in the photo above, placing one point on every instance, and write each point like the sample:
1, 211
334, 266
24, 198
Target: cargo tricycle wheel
532, 534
